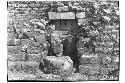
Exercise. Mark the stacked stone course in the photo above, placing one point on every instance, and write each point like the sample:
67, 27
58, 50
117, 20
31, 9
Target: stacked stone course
95, 66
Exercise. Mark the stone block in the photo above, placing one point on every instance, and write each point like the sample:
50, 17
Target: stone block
94, 72
21, 76
80, 15
33, 5
103, 49
94, 77
109, 27
62, 9
25, 41
16, 57
106, 60
105, 38
107, 44
14, 66
94, 33
58, 65
13, 42
49, 77
13, 49
82, 51
30, 67
34, 57
113, 65
30, 57
104, 71
89, 69
115, 59
116, 32
76, 77
107, 32
22, 66
87, 59
64, 15
31, 49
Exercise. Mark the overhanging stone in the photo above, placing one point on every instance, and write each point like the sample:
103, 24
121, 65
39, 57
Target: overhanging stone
64, 15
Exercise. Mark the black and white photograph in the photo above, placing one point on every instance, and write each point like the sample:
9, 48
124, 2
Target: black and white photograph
63, 41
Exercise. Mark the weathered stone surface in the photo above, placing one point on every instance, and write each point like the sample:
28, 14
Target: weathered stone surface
105, 38
94, 33
103, 49
13, 42
115, 59
94, 77
89, 69
103, 71
16, 57
58, 65
56, 45
116, 32
64, 8
76, 77
13, 49
113, 65
80, 15
49, 77
36, 48
21, 76
23, 57
55, 15
35, 57
94, 72
107, 44
30, 67
87, 59
106, 60
21, 66
25, 41
14, 67
109, 27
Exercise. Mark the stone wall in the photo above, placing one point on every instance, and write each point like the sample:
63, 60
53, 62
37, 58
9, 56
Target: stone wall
102, 23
